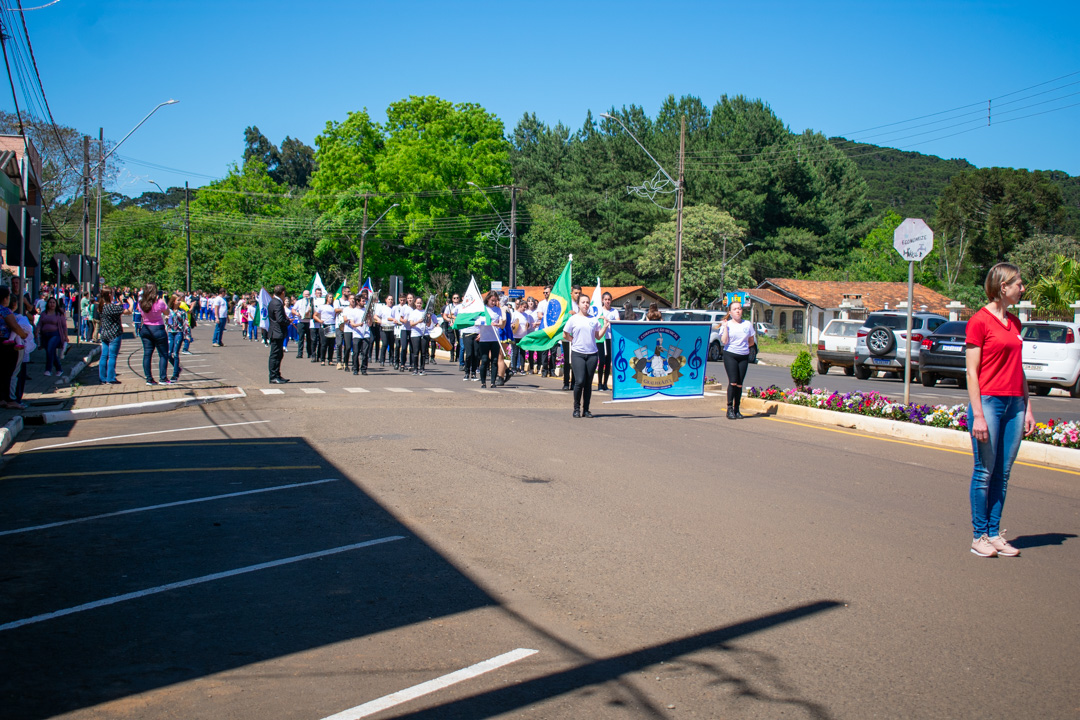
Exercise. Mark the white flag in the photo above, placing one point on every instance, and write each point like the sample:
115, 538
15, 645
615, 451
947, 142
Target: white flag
317, 284
596, 303
264, 304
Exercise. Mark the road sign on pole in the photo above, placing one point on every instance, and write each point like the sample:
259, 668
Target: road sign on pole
914, 240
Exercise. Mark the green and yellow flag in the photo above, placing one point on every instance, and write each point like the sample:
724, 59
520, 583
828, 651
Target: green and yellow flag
558, 312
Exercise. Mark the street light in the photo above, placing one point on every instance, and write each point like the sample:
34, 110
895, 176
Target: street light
156, 185
678, 197
511, 226
363, 239
100, 170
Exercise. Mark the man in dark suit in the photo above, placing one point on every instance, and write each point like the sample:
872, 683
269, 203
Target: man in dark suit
278, 328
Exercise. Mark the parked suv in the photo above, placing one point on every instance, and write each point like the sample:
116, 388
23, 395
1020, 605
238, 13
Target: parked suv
942, 354
881, 340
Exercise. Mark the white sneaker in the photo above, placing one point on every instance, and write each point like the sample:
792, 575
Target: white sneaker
48, 373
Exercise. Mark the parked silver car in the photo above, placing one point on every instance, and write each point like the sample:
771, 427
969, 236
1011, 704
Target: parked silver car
880, 345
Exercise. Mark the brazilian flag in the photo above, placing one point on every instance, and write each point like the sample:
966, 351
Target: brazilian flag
558, 312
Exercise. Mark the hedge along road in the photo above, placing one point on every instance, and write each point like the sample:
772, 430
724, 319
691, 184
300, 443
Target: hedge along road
658, 555
1054, 406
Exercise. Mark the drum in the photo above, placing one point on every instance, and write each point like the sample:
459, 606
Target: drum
440, 339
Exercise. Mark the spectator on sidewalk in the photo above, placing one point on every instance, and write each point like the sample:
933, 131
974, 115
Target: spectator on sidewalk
9, 331
25, 317
154, 311
220, 307
52, 329
110, 311
176, 326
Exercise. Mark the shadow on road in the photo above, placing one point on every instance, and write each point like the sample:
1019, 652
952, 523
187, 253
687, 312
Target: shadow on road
1031, 541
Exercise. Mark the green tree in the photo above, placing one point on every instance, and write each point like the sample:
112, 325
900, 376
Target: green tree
705, 230
345, 158
1038, 255
551, 238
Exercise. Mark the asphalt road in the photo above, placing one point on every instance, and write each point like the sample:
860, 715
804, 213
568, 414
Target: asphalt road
661, 560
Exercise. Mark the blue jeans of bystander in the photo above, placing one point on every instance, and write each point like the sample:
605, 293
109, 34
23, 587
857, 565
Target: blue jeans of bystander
107, 361
993, 461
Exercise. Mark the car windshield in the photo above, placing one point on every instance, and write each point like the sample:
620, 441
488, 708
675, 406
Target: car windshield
952, 328
895, 322
1045, 333
843, 329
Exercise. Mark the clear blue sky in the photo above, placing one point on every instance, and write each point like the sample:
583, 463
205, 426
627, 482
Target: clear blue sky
289, 67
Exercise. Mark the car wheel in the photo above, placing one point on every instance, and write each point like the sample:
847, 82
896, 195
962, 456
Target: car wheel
714, 352
1074, 391
1041, 390
880, 341
862, 372
929, 379
961, 383
849, 370
822, 368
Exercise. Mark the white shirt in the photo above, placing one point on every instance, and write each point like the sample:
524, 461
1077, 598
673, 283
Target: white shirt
582, 330
523, 323
301, 307
486, 331
221, 307
415, 318
325, 314
608, 315
316, 303
384, 312
541, 312
354, 322
739, 335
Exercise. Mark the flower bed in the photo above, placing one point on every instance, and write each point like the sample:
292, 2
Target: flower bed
874, 404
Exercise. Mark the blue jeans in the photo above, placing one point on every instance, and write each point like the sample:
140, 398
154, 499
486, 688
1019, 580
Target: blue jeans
219, 330
153, 338
993, 460
52, 343
107, 361
175, 338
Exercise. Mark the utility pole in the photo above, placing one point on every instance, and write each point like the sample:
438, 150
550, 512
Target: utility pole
363, 238
513, 236
678, 215
187, 233
723, 269
86, 211
100, 172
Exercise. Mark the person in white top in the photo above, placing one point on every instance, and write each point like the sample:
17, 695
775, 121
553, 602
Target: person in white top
547, 357
520, 324
608, 313
384, 325
360, 332
326, 315
450, 313
418, 323
737, 336
487, 338
344, 339
581, 333
303, 309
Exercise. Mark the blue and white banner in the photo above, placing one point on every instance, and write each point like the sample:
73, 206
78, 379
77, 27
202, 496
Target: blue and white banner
656, 358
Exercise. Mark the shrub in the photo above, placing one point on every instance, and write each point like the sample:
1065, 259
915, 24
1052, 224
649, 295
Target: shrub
802, 370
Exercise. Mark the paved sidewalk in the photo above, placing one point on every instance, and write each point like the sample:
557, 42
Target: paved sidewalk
57, 399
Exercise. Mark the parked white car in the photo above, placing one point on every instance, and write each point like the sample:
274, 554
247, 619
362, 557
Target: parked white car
1052, 356
767, 329
837, 346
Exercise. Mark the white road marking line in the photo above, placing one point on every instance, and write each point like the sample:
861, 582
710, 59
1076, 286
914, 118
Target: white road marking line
357, 390
402, 390
313, 391
208, 498
486, 392
709, 394
154, 432
518, 390
271, 391
440, 390
426, 688
193, 581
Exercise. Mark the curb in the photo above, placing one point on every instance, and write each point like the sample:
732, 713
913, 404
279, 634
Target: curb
154, 406
66, 378
9, 432
942, 437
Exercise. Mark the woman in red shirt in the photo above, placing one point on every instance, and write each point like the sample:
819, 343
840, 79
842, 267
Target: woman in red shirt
999, 414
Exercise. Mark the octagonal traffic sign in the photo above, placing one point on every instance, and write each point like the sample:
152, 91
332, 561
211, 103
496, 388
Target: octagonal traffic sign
913, 239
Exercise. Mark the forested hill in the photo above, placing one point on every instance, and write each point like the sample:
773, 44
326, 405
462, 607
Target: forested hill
909, 183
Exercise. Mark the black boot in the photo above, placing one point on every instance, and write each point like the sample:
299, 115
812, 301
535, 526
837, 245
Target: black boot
730, 411
738, 398
730, 402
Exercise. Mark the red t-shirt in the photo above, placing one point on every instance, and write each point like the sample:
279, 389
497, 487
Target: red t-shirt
1001, 370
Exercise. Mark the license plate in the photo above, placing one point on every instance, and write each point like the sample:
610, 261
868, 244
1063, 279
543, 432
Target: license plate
882, 361
843, 348
1029, 366
951, 348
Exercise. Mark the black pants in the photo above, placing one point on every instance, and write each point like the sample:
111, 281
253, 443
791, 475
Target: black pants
604, 363
403, 348
326, 345
567, 370
345, 348
489, 359
9, 356
387, 345
735, 366
454, 336
469, 351
277, 351
302, 338
315, 333
584, 369
375, 341
419, 350
360, 348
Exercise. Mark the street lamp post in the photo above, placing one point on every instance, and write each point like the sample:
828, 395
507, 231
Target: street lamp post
724, 262
363, 239
678, 197
100, 170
